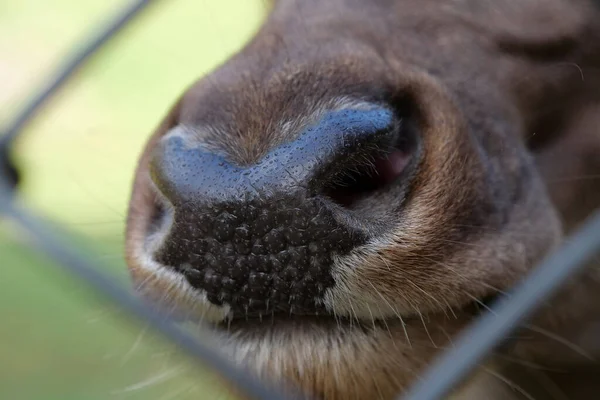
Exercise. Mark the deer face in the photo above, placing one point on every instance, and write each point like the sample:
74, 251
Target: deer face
335, 196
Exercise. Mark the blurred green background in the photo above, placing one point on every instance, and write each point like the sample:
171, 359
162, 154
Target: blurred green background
57, 340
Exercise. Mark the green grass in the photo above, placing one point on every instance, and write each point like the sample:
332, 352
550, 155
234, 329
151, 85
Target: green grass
61, 342
57, 340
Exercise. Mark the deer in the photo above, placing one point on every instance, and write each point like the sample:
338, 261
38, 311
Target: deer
347, 193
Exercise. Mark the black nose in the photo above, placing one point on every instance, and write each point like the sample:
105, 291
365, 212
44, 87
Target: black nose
262, 238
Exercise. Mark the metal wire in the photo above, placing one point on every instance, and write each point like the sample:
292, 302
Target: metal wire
81, 267
74, 63
489, 330
452, 367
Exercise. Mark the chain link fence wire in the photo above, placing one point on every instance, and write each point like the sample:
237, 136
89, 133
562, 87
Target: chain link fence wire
492, 327
76, 263
472, 346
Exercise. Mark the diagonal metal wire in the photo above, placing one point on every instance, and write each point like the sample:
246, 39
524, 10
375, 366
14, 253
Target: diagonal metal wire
72, 65
81, 266
491, 328
78, 265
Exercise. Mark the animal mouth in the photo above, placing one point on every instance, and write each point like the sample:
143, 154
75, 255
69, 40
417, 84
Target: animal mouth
267, 253
284, 323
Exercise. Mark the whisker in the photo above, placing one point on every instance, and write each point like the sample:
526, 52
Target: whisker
372, 317
467, 279
127, 356
577, 349
426, 330
481, 303
153, 381
525, 363
549, 386
395, 312
508, 382
436, 301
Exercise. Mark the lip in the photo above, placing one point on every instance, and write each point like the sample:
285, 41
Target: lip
298, 323
290, 322
279, 321
292, 332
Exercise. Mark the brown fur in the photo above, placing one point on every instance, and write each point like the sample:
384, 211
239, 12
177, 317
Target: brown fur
505, 98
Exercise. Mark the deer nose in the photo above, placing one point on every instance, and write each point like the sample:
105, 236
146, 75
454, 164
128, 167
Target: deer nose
262, 238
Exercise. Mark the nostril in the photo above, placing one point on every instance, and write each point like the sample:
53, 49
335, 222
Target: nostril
354, 183
370, 159
373, 168
156, 215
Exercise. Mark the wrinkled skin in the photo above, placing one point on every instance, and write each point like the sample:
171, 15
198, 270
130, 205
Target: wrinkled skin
498, 106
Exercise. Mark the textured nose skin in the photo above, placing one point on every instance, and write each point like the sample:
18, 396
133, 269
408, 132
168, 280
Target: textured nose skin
261, 238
